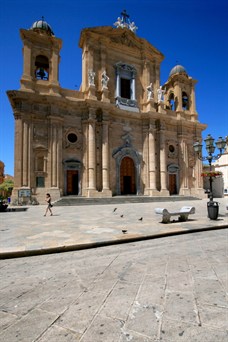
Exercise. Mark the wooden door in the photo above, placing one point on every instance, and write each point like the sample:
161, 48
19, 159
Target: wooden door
172, 184
127, 177
72, 182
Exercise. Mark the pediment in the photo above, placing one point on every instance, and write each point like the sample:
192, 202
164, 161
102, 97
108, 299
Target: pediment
107, 35
124, 38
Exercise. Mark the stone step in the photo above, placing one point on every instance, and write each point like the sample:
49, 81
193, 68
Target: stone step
79, 200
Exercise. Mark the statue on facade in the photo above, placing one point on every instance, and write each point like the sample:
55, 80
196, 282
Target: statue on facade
160, 93
133, 27
150, 92
91, 76
118, 23
104, 80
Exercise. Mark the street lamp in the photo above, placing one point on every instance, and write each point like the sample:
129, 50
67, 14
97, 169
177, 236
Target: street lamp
210, 147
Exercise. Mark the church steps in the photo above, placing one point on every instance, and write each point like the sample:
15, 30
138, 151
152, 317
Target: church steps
78, 200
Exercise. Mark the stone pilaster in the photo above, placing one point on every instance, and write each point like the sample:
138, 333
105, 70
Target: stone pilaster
163, 166
152, 161
105, 160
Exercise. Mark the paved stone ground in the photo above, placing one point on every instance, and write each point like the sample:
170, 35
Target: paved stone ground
169, 289
76, 227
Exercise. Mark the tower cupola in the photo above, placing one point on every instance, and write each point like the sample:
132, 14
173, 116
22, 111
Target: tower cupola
41, 26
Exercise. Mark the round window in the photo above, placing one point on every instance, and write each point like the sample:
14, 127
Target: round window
72, 138
171, 148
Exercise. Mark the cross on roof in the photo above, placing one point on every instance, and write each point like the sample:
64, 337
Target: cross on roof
125, 16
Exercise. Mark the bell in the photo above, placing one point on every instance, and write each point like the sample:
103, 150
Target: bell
41, 73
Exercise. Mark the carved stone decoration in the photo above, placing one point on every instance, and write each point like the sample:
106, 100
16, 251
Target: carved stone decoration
173, 168
91, 76
40, 135
172, 149
124, 40
72, 139
191, 158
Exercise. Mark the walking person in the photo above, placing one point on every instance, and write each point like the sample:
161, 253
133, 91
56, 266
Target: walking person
49, 205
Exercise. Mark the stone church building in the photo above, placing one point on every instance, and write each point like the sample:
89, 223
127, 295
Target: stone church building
121, 133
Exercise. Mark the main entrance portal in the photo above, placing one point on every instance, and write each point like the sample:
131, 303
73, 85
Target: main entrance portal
172, 184
72, 182
127, 177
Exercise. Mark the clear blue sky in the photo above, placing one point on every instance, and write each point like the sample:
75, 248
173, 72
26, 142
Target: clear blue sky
193, 33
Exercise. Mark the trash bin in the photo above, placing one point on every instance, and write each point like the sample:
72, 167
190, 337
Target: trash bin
213, 210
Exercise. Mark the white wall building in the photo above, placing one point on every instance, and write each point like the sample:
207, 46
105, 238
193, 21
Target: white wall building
222, 165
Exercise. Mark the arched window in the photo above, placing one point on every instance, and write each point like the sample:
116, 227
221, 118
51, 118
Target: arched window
172, 102
125, 87
185, 101
42, 68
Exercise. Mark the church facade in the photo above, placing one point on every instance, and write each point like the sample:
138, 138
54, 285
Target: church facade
122, 133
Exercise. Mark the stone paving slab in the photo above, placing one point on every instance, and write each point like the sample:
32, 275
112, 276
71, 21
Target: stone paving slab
171, 289
77, 227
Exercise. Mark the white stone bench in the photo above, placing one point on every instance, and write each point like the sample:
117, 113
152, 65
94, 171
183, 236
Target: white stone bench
182, 213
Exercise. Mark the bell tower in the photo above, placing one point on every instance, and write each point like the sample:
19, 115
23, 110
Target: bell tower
180, 92
41, 57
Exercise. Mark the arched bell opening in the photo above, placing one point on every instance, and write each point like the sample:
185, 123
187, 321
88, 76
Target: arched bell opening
172, 104
42, 68
185, 101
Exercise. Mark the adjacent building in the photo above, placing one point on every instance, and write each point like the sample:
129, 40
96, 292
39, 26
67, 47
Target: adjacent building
122, 133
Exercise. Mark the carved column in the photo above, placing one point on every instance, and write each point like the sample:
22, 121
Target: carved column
92, 153
133, 87
27, 62
105, 158
54, 157
145, 156
117, 85
163, 166
152, 170
184, 149
25, 161
84, 177
58, 157
178, 95
54, 69
193, 101
18, 143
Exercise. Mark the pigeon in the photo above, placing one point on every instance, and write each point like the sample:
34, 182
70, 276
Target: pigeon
141, 218
124, 231
114, 209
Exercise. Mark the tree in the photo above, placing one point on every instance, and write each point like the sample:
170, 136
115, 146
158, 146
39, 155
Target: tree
6, 188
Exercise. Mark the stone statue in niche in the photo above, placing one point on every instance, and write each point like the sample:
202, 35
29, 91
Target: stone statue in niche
91, 76
119, 22
150, 92
160, 93
133, 27
104, 80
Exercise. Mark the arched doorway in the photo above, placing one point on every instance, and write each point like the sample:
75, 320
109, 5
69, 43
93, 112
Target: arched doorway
127, 177
72, 181
173, 172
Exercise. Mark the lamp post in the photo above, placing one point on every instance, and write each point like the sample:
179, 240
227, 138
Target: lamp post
210, 147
